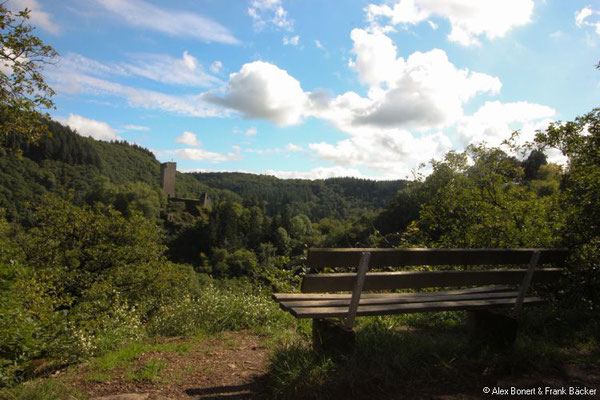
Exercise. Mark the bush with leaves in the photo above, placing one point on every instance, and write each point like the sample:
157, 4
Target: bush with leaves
82, 280
483, 203
579, 141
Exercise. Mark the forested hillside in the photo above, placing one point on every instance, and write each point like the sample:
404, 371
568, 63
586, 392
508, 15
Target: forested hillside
334, 197
264, 216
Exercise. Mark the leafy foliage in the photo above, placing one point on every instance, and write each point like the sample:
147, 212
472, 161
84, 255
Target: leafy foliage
23, 90
579, 140
483, 204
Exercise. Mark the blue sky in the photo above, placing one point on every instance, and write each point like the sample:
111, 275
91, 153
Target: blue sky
312, 89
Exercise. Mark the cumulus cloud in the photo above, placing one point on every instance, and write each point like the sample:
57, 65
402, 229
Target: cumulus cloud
376, 60
469, 20
198, 154
293, 147
251, 131
188, 138
316, 173
269, 12
495, 121
90, 127
216, 67
37, 17
291, 41
556, 34
424, 91
263, 90
588, 17
142, 14
391, 153
136, 128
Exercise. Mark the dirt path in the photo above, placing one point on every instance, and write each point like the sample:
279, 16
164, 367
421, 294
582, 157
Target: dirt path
227, 367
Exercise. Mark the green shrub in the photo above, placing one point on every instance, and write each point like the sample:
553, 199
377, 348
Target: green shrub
217, 307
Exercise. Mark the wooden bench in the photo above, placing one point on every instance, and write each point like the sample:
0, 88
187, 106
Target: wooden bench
476, 290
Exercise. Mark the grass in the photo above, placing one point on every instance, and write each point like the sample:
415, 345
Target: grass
149, 371
48, 389
102, 369
422, 355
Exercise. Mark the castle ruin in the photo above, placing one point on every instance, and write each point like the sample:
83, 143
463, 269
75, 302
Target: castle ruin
167, 182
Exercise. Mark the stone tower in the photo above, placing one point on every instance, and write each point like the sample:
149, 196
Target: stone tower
167, 178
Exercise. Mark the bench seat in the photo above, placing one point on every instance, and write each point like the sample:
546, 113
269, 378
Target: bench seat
412, 307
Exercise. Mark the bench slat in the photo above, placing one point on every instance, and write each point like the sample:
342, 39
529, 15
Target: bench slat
338, 282
319, 258
337, 296
340, 312
286, 305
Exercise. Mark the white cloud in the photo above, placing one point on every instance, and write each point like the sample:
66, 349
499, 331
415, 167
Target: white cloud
136, 128
157, 67
90, 127
142, 14
293, 147
188, 138
216, 67
495, 121
197, 154
391, 153
291, 41
289, 148
588, 17
166, 69
316, 173
251, 131
375, 57
263, 90
81, 83
37, 17
319, 45
468, 19
581, 15
78, 74
73, 62
7, 64
557, 34
264, 12
424, 91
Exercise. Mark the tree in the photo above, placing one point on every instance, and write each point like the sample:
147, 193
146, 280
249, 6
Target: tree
483, 204
579, 140
23, 91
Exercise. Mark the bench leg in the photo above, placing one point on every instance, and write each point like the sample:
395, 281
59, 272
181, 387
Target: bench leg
332, 337
493, 327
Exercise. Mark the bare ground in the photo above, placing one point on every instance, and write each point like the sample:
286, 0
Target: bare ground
226, 367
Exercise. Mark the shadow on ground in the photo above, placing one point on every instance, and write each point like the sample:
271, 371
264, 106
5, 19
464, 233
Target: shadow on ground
436, 362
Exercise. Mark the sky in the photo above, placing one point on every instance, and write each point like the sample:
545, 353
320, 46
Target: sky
317, 88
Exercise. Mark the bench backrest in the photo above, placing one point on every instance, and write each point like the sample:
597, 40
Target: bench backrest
321, 258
